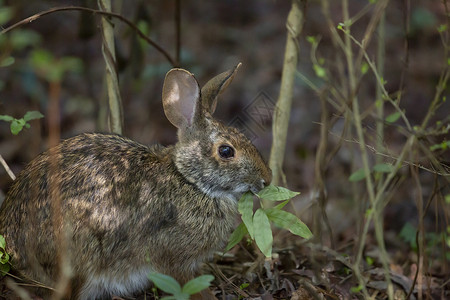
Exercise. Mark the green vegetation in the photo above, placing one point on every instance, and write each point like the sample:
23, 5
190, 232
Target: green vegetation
18, 124
169, 285
4, 257
257, 224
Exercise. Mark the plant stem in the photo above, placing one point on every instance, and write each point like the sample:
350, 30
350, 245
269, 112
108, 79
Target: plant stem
352, 70
379, 96
8, 170
112, 81
281, 114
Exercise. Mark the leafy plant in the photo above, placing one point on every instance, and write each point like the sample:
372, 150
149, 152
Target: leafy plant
4, 257
52, 68
434, 241
257, 224
378, 168
169, 285
18, 124
16, 41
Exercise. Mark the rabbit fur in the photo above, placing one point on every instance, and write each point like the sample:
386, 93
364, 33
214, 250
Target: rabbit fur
113, 209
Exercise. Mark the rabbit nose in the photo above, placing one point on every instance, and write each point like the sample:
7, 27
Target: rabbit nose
265, 181
267, 178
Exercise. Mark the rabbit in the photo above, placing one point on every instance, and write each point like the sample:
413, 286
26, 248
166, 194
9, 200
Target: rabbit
114, 210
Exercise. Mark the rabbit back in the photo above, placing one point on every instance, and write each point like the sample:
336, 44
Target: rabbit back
114, 209
127, 210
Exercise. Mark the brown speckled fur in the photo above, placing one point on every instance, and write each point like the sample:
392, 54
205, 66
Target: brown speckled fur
127, 209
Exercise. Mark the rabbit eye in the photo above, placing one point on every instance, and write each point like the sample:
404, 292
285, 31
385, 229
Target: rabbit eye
226, 152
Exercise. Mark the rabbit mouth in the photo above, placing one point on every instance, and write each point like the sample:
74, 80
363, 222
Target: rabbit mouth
242, 188
233, 193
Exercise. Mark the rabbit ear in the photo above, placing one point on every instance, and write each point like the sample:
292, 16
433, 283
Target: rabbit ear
213, 88
180, 97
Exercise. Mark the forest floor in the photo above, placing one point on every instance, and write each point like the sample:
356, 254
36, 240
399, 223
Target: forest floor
302, 270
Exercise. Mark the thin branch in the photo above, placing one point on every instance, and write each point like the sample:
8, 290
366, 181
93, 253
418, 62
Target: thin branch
112, 78
94, 11
283, 107
8, 170
444, 169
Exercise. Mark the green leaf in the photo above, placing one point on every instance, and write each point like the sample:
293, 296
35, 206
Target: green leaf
72, 64
42, 59
17, 126
32, 115
442, 28
6, 118
408, 234
2, 242
364, 68
383, 168
311, 39
4, 269
282, 204
393, 117
320, 71
356, 289
244, 286
4, 257
7, 61
288, 221
165, 283
369, 260
276, 193
23, 38
197, 284
6, 14
357, 175
263, 232
442, 146
245, 207
378, 103
237, 235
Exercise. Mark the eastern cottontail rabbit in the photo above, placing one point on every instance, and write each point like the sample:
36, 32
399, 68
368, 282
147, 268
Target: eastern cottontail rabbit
125, 209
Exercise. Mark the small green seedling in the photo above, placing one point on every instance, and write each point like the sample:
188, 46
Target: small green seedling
169, 285
18, 124
257, 225
4, 257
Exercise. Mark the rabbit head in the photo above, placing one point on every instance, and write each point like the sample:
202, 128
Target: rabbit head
216, 158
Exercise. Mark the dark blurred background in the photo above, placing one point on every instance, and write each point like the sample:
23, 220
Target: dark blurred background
216, 35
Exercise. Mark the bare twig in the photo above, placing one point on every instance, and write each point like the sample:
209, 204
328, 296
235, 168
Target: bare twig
21, 292
283, 108
112, 78
94, 11
8, 170
319, 175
